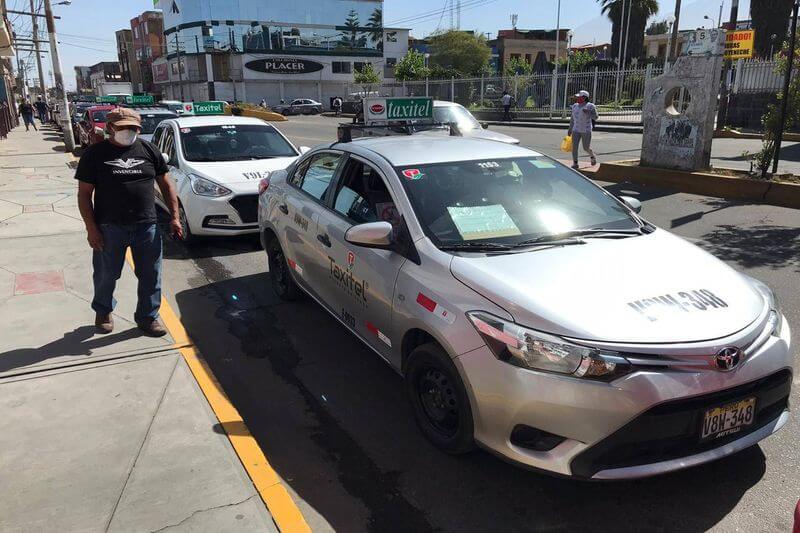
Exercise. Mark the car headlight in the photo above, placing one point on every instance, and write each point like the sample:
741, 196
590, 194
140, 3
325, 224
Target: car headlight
774, 306
205, 187
526, 348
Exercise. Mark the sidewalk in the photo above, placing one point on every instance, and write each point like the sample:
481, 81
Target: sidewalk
98, 433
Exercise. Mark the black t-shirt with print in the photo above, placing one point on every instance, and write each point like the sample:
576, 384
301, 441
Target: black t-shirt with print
123, 179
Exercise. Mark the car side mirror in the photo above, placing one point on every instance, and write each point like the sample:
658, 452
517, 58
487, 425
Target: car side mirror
485, 125
304, 149
370, 235
634, 204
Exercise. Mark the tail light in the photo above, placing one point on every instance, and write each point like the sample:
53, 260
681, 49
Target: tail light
263, 185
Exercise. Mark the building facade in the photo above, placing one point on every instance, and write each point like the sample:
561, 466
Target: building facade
148, 45
128, 65
272, 49
536, 47
102, 72
656, 46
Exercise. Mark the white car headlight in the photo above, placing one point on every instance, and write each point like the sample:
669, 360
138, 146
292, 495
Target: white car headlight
205, 187
526, 348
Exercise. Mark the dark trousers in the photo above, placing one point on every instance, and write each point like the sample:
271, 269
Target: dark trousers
144, 241
506, 112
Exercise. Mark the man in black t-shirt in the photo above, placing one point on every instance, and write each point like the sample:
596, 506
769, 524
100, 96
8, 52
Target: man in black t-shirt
121, 173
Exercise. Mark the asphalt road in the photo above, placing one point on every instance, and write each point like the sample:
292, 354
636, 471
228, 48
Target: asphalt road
333, 420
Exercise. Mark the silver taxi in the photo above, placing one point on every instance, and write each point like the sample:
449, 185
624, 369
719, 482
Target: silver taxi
530, 311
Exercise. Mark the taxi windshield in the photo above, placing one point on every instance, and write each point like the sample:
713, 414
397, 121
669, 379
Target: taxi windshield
457, 114
99, 115
508, 201
149, 122
234, 142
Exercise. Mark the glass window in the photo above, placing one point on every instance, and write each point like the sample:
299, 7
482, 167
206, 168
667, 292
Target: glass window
342, 67
363, 195
230, 142
169, 144
319, 174
99, 115
507, 200
458, 114
157, 137
136, 32
150, 121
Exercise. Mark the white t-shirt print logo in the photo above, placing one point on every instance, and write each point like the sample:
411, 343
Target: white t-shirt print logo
126, 163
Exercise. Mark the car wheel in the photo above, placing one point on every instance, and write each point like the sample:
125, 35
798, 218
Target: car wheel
280, 275
439, 400
315, 111
285, 112
188, 236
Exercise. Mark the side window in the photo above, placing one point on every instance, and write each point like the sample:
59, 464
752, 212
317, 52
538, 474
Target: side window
319, 174
364, 197
169, 145
297, 176
157, 137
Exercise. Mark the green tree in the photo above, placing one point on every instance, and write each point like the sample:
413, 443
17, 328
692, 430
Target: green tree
366, 77
375, 25
657, 28
459, 52
641, 11
517, 66
411, 67
770, 17
351, 31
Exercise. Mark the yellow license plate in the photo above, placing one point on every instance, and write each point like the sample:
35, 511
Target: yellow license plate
728, 419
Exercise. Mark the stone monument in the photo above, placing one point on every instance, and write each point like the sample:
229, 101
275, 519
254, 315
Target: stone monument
679, 106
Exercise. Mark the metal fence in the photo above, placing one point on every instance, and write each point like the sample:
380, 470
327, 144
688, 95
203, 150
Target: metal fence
756, 76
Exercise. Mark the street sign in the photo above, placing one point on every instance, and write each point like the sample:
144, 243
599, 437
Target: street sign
739, 44
204, 108
106, 99
144, 99
397, 109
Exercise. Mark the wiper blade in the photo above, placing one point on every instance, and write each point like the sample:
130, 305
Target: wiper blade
477, 247
591, 232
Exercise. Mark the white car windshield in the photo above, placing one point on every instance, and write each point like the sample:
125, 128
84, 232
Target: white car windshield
458, 114
508, 201
231, 142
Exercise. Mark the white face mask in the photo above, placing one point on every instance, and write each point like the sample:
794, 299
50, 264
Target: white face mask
125, 137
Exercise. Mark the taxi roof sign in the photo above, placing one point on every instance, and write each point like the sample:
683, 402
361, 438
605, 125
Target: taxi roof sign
106, 99
141, 99
383, 110
204, 108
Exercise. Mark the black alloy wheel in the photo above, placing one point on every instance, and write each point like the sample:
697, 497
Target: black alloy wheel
280, 275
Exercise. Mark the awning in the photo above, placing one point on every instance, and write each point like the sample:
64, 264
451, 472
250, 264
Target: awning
6, 50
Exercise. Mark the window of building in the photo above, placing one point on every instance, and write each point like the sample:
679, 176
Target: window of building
527, 58
515, 56
358, 65
552, 58
136, 32
145, 32
342, 67
391, 61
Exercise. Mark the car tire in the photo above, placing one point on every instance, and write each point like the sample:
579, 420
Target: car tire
188, 237
315, 111
280, 274
439, 400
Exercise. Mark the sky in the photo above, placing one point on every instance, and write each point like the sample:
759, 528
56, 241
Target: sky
86, 29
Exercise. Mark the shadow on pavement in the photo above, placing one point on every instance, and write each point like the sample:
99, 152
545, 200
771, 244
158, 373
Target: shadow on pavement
211, 247
764, 245
642, 193
333, 420
78, 342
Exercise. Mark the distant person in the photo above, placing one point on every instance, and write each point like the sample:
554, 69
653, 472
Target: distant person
506, 101
337, 106
26, 111
42, 109
581, 123
263, 103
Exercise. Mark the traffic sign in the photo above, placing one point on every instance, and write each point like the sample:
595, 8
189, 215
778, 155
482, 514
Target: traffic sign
739, 44
142, 99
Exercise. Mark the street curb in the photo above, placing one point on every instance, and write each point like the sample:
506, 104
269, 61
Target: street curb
730, 134
768, 192
610, 128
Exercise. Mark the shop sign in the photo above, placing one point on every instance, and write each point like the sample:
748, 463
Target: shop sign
284, 65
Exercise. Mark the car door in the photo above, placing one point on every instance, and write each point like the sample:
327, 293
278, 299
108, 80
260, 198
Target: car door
359, 282
307, 192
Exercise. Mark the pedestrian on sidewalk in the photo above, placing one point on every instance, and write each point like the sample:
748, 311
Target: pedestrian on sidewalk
337, 106
263, 103
26, 111
42, 109
506, 101
581, 123
120, 172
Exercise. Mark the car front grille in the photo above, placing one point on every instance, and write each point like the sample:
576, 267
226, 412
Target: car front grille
247, 207
672, 430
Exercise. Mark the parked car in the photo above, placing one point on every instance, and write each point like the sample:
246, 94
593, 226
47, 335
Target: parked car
299, 106
151, 118
466, 123
92, 127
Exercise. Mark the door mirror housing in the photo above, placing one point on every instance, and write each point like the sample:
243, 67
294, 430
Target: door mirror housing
304, 149
370, 235
634, 204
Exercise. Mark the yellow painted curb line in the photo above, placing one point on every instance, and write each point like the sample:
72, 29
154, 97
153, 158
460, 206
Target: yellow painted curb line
284, 510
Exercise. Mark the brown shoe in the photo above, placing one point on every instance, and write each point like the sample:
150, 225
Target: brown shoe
103, 323
152, 328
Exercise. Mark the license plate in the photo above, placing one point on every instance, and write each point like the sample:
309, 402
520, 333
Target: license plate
728, 419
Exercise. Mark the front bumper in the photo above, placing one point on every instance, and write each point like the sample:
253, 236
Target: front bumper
204, 214
642, 424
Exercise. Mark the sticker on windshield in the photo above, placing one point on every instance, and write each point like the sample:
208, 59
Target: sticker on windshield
542, 164
186, 130
685, 301
228, 127
413, 174
483, 222
489, 164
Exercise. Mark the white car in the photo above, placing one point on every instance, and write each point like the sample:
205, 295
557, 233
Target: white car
216, 163
467, 124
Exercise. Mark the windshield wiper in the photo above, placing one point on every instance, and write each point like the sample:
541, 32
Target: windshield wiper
569, 237
477, 247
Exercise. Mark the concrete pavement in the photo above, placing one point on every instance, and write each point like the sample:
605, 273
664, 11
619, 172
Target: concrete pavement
98, 433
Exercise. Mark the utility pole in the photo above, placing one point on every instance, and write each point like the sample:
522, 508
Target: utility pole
786, 81
620, 58
673, 51
722, 108
178, 55
38, 53
554, 84
230, 63
61, 95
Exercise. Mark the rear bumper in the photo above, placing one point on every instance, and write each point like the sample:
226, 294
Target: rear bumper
643, 424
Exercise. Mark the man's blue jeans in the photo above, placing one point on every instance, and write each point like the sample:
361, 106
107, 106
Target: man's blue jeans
144, 241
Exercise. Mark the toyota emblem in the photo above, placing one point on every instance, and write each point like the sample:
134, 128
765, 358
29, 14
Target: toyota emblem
728, 358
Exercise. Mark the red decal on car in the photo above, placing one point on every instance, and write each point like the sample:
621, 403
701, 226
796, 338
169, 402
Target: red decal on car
376, 108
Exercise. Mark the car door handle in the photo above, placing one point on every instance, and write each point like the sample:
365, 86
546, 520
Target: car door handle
284, 209
324, 239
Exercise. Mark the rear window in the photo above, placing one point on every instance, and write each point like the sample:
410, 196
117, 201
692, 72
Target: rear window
99, 116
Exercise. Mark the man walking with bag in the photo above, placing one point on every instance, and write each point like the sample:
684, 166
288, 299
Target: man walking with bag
116, 198
581, 123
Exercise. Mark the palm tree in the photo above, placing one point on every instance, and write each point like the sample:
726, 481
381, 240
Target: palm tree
641, 10
770, 18
375, 25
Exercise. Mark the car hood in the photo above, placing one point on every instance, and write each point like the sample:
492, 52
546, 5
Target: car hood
654, 288
230, 172
490, 135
